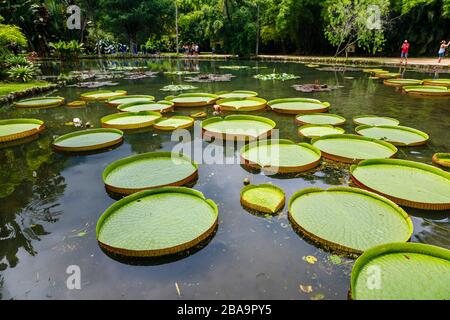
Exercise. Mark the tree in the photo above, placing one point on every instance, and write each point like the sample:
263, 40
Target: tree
356, 22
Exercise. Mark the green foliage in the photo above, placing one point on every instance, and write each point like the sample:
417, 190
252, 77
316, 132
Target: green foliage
12, 60
22, 73
11, 34
160, 44
67, 50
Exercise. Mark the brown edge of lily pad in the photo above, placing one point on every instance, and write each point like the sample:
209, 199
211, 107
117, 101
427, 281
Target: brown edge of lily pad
22, 135
99, 146
436, 160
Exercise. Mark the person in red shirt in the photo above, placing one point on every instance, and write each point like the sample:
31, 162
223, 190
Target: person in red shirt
404, 54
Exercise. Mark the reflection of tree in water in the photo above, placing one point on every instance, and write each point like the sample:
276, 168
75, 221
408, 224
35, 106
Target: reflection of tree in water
435, 233
145, 141
29, 186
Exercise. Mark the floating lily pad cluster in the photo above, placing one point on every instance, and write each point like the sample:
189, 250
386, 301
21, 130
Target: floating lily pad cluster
276, 76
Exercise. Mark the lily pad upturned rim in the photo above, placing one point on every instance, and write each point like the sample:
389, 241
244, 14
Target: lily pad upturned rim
158, 126
170, 105
115, 102
249, 93
23, 134
281, 169
260, 104
402, 82
425, 136
355, 119
77, 104
90, 147
351, 136
407, 163
390, 248
228, 136
427, 90
300, 122
212, 100
336, 246
445, 82
87, 96
149, 155
165, 251
387, 75
436, 159
306, 126
257, 207
272, 104
57, 101
130, 114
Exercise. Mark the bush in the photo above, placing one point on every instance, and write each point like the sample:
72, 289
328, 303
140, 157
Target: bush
11, 34
67, 50
22, 73
13, 61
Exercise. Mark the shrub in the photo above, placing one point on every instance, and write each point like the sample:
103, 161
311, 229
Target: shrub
9, 34
13, 61
67, 50
22, 73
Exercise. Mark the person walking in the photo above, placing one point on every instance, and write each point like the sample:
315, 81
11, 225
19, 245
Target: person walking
405, 51
442, 48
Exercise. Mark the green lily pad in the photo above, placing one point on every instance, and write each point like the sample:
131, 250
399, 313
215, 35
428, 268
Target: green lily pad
407, 183
397, 135
280, 156
442, 159
174, 123
181, 73
130, 120
402, 82
117, 101
234, 67
437, 82
316, 130
242, 104
88, 140
427, 90
320, 118
193, 99
44, 102
402, 271
348, 219
371, 120
276, 76
157, 222
178, 87
160, 106
298, 105
266, 198
350, 148
102, 95
240, 127
15, 129
387, 75
236, 94
149, 171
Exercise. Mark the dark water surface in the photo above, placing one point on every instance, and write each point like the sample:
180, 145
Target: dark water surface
50, 203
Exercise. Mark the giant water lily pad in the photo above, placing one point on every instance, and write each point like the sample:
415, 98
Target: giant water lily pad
320, 118
407, 183
193, 99
348, 219
266, 198
16, 129
397, 135
402, 271
88, 140
387, 75
236, 94
242, 104
130, 120
43, 102
319, 130
402, 82
102, 95
372, 120
350, 148
149, 171
160, 106
157, 222
238, 127
117, 101
427, 90
298, 105
437, 82
442, 159
280, 156
174, 123
276, 76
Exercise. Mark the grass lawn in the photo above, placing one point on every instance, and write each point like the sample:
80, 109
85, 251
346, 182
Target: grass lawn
6, 88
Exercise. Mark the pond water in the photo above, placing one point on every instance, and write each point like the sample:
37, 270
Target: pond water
50, 203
